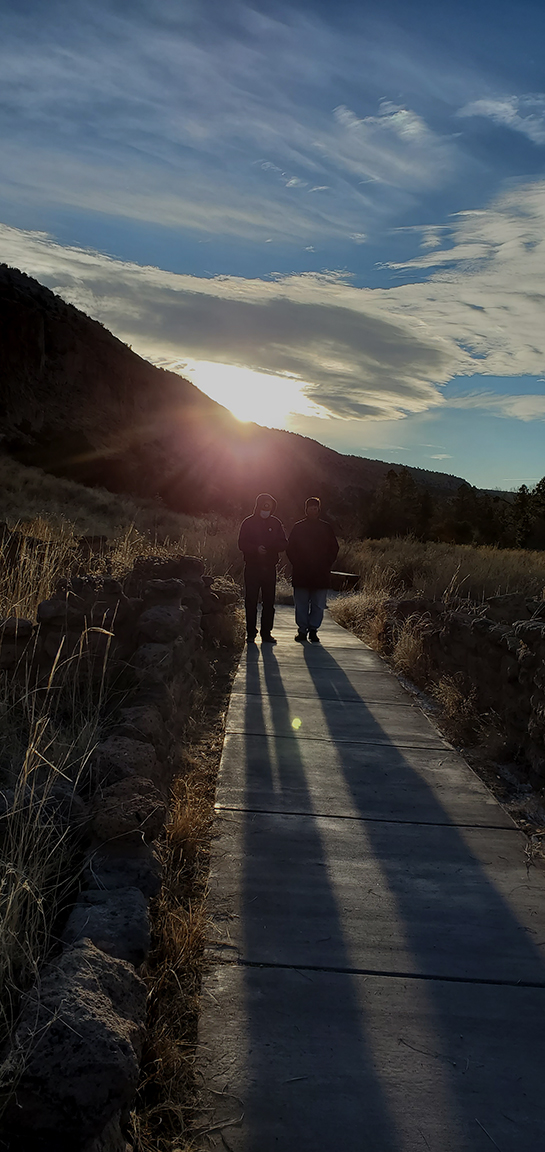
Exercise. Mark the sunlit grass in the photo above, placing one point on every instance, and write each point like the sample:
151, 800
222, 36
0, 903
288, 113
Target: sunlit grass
410, 567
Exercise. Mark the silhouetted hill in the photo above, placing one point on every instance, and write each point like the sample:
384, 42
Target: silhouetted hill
77, 402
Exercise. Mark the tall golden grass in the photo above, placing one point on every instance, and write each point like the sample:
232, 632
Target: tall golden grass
52, 552
405, 566
47, 734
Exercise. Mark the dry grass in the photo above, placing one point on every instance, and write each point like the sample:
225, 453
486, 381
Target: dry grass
364, 613
436, 571
284, 589
459, 714
168, 1095
51, 552
48, 733
408, 652
406, 569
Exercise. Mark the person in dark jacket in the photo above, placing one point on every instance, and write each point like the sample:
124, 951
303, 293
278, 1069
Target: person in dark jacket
261, 538
312, 549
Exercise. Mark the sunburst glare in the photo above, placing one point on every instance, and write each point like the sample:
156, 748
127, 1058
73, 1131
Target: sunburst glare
250, 395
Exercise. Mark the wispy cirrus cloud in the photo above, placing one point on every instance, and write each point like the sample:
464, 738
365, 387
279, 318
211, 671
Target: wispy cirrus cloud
526, 408
525, 113
357, 352
223, 122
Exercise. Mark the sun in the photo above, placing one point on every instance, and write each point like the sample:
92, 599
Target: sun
249, 395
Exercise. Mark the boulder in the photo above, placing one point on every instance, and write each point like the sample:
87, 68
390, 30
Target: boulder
59, 643
119, 758
165, 591
143, 723
14, 653
62, 804
153, 657
211, 602
111, 1139
192, 598
531, 631
131, 809
116, 922
154, 693
161, 624
62, 613
16, 628
189, 569
123, 865
81, 1030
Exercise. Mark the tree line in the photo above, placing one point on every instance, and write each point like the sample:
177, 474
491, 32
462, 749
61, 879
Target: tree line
401, 507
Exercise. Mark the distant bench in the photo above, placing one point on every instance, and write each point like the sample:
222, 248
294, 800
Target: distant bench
343, 581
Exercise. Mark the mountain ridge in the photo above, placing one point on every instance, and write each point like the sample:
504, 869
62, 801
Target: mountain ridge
76, 401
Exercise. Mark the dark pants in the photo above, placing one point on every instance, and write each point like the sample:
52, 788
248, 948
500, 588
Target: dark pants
254, 579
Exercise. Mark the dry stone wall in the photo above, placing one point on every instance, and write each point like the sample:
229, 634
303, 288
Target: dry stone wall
80, 1031
498, 652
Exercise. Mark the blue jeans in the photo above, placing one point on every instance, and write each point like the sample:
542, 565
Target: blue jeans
309, 607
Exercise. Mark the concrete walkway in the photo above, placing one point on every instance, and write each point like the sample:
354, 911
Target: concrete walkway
377, 970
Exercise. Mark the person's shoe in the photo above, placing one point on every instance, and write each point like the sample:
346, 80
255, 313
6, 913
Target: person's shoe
301, 638
313, 636
268, 639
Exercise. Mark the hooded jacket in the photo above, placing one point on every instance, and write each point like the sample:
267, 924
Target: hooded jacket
255, 531
312, 549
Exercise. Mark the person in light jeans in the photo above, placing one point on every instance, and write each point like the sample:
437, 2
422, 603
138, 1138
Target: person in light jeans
312, 549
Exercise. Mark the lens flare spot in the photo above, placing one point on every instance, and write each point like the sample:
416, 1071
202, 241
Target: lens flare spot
296, 723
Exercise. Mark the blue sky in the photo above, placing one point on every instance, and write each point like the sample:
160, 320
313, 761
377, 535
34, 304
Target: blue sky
330, 216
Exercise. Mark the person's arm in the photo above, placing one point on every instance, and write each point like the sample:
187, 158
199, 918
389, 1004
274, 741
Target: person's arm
245, 542
282, 542
291, 549
333, 546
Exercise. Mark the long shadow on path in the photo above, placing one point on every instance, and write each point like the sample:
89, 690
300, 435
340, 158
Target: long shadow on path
458, 919
304, 1062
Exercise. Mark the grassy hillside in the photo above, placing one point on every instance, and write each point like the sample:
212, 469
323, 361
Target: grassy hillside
79, 403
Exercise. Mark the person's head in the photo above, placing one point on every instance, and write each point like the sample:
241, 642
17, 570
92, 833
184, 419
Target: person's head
264, 505
312, 508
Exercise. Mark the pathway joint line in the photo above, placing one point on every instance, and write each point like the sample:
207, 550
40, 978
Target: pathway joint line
365, 819
429, 976
330, 699
392, 743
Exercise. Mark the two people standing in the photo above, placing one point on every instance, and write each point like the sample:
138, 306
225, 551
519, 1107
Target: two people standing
312, 548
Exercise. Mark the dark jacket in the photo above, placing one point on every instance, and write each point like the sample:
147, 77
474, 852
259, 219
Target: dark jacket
255, 531
312, 549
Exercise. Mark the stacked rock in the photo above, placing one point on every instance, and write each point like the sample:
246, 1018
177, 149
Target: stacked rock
79, 1082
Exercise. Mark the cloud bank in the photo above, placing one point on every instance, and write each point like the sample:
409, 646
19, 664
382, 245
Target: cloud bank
359, 353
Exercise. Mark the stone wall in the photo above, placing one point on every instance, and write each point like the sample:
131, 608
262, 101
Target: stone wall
80, 1031
502, 661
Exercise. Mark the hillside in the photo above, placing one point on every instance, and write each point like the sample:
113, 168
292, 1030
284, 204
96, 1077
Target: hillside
77, 402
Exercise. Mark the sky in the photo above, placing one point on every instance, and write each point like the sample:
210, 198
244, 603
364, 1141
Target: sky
330, 217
